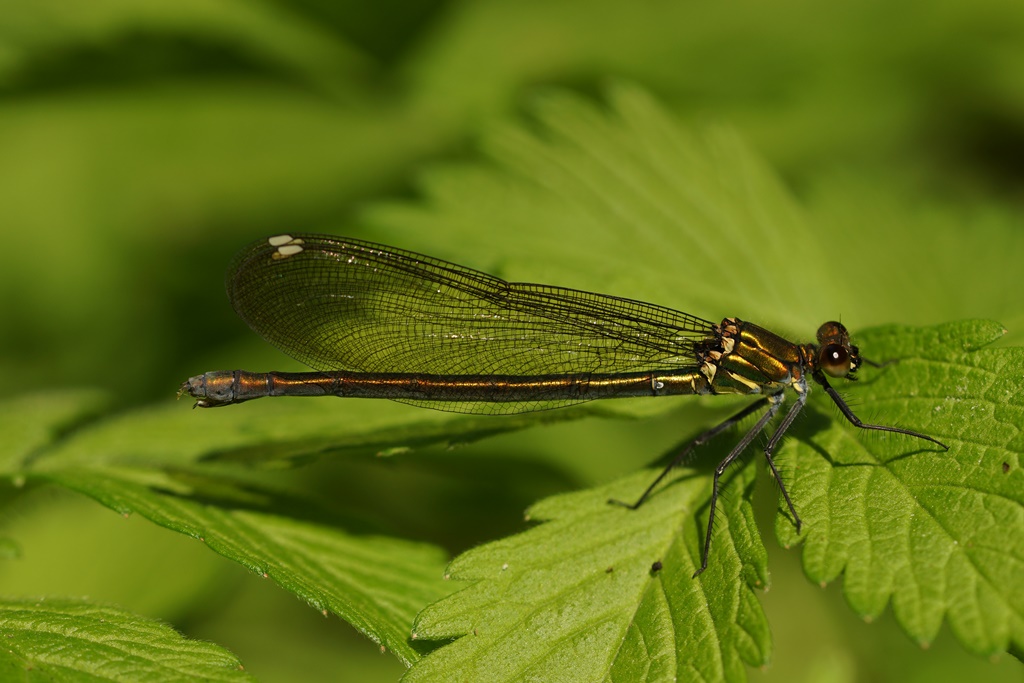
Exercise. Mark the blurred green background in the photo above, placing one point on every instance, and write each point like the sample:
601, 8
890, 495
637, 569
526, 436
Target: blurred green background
141, 144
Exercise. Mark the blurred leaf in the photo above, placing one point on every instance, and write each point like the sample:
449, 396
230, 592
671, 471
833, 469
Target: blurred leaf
940, 533
32, 422
649, 210
9, 549
69, 545
386, 29
232, 159
38, 36
865, 84
71, 640
910, 260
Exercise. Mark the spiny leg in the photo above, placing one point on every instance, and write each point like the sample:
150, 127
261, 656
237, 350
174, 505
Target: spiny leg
681, 457
856, 421
775, 402
774, 441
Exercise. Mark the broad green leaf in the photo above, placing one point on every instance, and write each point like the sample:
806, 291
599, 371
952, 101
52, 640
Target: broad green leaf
576, 598
248, 153
375, 583
61, 640
135, 465
939, 534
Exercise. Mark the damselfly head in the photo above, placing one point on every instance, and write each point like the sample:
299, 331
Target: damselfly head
837, 357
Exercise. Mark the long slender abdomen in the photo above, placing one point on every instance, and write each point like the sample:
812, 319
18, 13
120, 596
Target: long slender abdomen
221, 388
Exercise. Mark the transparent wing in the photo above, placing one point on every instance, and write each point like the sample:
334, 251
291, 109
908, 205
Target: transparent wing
343, 304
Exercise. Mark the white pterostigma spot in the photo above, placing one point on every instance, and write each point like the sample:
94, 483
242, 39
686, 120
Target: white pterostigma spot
289, 249
286, 246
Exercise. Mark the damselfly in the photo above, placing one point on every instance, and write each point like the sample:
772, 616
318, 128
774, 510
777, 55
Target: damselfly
379, 322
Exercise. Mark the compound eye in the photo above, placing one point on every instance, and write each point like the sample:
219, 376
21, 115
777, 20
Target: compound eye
835, 360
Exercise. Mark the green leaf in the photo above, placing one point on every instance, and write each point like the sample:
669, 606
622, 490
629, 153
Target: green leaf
71, 640
576, 598
940, 534
376, 583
